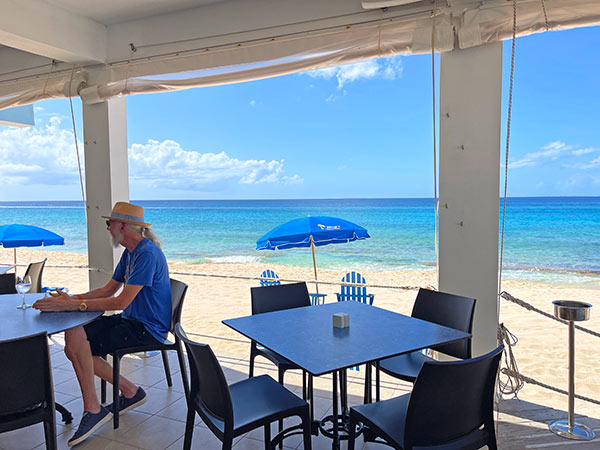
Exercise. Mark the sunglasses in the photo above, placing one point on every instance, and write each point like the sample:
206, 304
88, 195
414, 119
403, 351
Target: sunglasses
108, 222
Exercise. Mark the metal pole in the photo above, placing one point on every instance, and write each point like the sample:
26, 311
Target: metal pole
571, 374
312, 247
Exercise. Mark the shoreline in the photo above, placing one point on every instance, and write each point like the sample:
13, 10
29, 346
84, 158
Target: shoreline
541, 351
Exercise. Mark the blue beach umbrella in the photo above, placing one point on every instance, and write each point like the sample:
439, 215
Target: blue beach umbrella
17, 235
311, 232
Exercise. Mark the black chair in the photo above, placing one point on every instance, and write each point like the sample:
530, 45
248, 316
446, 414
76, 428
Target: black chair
451, 403
276, 298
449, 310
178, 291
35, 270
230, 411
7, 283
26, 389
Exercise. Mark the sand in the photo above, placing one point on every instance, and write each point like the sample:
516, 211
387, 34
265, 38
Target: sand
541, 352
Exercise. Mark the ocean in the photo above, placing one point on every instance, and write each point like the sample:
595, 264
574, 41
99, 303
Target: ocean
548, 239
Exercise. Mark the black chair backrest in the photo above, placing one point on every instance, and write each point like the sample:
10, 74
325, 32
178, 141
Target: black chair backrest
279, 297
7, 283
451, 399
35, 270
209, 389
178, 291
449, 310
26, 377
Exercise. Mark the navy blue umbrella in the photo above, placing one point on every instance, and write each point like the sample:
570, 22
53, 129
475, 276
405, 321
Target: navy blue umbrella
311, 232
17, 235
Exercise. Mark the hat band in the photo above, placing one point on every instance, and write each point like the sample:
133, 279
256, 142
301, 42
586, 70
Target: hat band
116, 215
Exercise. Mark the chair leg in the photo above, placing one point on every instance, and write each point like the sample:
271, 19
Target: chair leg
50, 434
103, 388
251, 371
306, 430
227, 443
268, 436
189, 428
184, 376
377, 381
491, 430
281, 375
116, 375
304, 393
351, 432
165, 359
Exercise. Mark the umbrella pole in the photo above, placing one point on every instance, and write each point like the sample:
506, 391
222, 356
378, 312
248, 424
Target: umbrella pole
312, 247
15, 259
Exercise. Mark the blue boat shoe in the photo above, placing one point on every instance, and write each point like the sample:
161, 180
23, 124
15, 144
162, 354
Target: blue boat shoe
126, 404
90, 422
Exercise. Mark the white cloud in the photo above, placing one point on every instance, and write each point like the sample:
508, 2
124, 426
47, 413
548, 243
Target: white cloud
584, 151
38, 155
593, 164
166, 164
252, 102
384, 68
45, 155
552, 152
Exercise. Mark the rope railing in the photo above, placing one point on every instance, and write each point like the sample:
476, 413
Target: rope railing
506, 296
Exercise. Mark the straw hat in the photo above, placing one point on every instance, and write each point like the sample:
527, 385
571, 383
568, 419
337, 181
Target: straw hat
128, 213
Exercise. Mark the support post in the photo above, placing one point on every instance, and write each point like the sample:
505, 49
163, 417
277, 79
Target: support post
470, 117
106, 180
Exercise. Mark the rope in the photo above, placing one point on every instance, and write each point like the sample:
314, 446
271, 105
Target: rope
529, 380
545, 15
77, 145
435, 196
512, 385
505, 295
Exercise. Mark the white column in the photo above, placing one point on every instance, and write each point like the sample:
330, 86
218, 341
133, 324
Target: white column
106, 180
470, 115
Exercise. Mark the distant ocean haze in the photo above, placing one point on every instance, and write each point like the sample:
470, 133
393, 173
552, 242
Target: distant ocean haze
547, 239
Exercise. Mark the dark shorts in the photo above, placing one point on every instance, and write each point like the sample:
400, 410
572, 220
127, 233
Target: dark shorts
109, 333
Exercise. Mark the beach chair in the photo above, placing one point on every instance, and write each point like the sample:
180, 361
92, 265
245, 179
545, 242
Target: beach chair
270, 278
356, 293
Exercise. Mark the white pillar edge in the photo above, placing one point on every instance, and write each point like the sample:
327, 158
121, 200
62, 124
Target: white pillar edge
469, 176
106, 181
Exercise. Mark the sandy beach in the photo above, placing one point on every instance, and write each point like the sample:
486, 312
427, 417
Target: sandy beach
541, 352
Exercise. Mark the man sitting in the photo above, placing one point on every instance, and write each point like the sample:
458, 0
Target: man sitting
146, 303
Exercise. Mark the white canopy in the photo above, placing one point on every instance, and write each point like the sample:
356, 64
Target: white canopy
212, 45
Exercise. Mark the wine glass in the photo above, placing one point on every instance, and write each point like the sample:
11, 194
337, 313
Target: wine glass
23, 286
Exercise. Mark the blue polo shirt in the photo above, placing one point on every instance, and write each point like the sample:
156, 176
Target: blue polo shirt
147, 266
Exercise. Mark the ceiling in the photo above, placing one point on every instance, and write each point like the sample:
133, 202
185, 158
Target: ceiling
111, 12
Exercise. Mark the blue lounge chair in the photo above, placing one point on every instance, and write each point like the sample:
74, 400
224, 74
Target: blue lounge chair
356, 293
315, 298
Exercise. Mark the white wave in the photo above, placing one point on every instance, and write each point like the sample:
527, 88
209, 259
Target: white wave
233, 259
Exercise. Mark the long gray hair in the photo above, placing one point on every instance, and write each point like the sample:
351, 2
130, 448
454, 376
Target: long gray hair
148, 233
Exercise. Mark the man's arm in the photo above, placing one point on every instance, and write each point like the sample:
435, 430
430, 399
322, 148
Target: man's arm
65, 302
107, 290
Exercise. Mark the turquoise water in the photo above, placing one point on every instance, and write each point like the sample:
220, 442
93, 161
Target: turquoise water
547, 239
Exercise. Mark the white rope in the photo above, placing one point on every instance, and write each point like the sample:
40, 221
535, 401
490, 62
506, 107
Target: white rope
435, 195
77, 146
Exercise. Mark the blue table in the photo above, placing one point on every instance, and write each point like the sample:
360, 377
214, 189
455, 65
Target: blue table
306, 337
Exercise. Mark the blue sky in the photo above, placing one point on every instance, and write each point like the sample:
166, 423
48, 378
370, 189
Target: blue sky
362, 130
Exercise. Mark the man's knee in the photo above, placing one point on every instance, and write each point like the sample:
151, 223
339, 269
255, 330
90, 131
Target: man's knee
75, 339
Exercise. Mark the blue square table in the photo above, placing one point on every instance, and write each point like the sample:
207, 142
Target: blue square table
306, 337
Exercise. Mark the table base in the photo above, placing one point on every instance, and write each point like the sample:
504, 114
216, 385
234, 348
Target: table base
576, 431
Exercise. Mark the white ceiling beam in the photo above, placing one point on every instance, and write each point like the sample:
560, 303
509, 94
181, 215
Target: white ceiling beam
37, 27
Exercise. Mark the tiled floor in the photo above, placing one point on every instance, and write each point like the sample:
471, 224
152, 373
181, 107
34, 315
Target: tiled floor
159, 423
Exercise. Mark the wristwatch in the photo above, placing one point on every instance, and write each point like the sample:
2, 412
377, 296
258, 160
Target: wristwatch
83, 306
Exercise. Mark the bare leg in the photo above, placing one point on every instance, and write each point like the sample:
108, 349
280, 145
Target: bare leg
77, 349
104, 371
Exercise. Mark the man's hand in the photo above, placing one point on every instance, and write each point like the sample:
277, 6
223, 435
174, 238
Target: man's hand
58, 301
